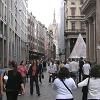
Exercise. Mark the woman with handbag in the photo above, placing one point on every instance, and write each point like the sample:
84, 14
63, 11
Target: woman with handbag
93, 83
64, 85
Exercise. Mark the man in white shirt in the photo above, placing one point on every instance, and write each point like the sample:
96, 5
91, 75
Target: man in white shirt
66, 64
52, 69
74, 67
86, 70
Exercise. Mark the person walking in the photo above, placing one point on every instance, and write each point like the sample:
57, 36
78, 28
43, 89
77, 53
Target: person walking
52, 71
74, 67
66, 64
81, 63
44, 65
14, 83
64, 85
93, 84
86, 71
40, 67
33, 73
23, 70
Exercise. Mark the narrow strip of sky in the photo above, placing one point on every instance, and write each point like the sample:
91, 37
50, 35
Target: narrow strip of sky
43, 10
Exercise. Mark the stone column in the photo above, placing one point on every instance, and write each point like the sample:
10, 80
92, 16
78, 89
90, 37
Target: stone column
87, 40
98, 31
68, 47
91, 39
95, 56
7, 50
3, 46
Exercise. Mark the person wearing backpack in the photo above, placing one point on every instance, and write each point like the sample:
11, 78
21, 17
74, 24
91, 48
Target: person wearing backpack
14, 83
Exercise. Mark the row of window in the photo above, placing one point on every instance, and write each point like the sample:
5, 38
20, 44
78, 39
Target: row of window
81, 2
3, 28
73, 25
3, 11
73, 11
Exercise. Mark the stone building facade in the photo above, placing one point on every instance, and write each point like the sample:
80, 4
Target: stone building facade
17, 30
50, 45
91, 10
36, 38
3, 32
74, 24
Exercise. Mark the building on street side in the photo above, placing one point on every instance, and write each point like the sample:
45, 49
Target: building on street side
74, 24
3, 32
17, 30
91, 10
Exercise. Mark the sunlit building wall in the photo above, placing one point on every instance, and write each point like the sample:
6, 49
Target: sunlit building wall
41, 39
32, 35
17, 30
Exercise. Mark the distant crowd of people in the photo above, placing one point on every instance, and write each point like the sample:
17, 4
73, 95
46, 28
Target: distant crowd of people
78, 69
65, 77
13, 80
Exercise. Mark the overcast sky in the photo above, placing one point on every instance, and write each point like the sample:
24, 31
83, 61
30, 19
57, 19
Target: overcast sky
43, 10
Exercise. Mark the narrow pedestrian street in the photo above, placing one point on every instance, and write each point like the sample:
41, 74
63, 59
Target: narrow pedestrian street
47, 93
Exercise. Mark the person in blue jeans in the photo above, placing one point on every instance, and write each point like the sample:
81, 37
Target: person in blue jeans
33, 73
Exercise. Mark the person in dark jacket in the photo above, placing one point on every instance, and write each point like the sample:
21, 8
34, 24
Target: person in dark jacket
44, 65
40, 67
14, 83
33, 73
81, 63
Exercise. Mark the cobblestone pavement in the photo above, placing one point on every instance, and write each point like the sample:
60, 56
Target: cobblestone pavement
47, 93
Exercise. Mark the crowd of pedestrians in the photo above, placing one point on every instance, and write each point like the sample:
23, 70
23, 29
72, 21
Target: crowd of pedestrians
13, 80
65, 77
69, 75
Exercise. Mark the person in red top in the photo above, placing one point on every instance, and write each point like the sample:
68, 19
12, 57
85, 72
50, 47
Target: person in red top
23, 71
33, 73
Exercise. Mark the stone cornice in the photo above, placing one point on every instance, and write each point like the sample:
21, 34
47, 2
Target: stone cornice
92, 13
86, 5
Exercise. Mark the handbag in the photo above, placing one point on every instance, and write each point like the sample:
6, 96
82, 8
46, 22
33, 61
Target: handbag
67, 87
42, 76
85, 90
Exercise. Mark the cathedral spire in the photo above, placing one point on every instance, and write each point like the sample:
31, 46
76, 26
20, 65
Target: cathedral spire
54, 18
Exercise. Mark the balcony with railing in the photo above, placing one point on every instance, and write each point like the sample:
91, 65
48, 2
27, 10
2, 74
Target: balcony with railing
74, 31
75, 17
